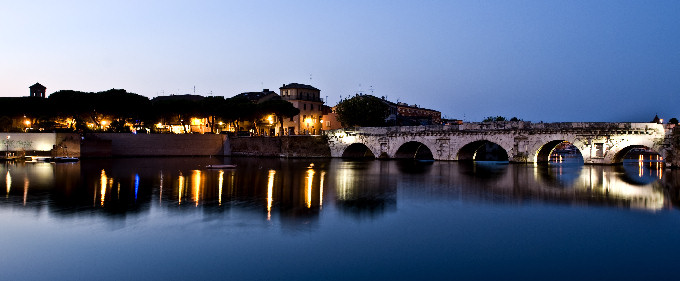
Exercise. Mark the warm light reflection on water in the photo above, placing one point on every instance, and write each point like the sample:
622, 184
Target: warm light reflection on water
270, 193
180, 188
8, 182
26, 182
102, 189
351, 183
196, 185
323, 175
220, 184
308, 191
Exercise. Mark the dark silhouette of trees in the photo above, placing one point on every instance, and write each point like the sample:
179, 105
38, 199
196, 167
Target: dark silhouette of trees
494, 119
362, 110
121, 109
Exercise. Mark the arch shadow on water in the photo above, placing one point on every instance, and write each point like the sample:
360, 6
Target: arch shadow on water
559, 174
639, 173
483, 170
409, 166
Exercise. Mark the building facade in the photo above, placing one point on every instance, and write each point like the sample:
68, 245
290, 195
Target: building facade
308, 100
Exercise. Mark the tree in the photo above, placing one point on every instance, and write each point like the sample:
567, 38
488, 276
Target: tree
362, 110
210, 108
280, 108
494, 119
673, 121
238, 108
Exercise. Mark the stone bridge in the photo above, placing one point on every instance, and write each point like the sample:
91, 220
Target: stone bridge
598, 143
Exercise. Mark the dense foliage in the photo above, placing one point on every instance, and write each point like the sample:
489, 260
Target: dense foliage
362, 110
123, 107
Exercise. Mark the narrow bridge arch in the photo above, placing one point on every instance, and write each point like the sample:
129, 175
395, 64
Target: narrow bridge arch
640, 149
414, 150
357, 150
543, 153
482, 150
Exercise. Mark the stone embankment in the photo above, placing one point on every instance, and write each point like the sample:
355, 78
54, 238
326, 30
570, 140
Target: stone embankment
288, 146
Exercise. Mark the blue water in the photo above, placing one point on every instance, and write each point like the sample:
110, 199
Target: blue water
343, 220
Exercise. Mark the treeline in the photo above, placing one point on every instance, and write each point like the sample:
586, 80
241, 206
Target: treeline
120, 107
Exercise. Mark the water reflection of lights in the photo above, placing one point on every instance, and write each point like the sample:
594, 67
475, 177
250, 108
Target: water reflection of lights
25, 189
345, 184
136, 186
613, 186
180, 188
308, 192
220, 183
196, 180
8, 182
323, 175
270, 193
103, 180
160, 195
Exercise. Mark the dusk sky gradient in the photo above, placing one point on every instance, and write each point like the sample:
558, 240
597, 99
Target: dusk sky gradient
549, 61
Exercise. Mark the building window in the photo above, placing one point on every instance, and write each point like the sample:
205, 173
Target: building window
312, 107
304, 106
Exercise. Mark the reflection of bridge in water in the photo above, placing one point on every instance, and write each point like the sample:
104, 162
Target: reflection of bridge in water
522, 142
296, 191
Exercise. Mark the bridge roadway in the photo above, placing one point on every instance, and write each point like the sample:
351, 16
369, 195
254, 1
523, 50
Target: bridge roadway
598, 143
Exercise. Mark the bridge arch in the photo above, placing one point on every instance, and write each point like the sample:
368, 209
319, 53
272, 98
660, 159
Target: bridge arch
358, 150
414, 150
482, 150
621, 154
547, 149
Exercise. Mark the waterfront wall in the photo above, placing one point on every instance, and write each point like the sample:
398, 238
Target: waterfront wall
288, 146
129, 145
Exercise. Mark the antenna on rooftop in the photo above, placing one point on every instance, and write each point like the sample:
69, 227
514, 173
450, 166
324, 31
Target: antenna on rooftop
194, 89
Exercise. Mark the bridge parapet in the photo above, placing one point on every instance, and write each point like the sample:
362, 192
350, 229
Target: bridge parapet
593, 127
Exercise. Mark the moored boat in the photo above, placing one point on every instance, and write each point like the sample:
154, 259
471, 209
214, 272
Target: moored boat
224, 166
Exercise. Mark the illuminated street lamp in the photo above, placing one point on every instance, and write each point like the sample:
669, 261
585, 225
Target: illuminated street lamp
308, 121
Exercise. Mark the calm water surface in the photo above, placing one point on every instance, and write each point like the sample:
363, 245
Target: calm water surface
311, 219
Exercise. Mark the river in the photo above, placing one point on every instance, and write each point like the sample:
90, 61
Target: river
321, 219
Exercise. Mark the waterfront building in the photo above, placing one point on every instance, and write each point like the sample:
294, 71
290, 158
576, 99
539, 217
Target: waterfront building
267, 124
308, 100
416, 115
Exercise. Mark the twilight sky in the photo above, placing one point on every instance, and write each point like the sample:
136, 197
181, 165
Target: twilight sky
538, 60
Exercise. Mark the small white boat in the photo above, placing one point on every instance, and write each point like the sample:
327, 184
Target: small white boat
225, 166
